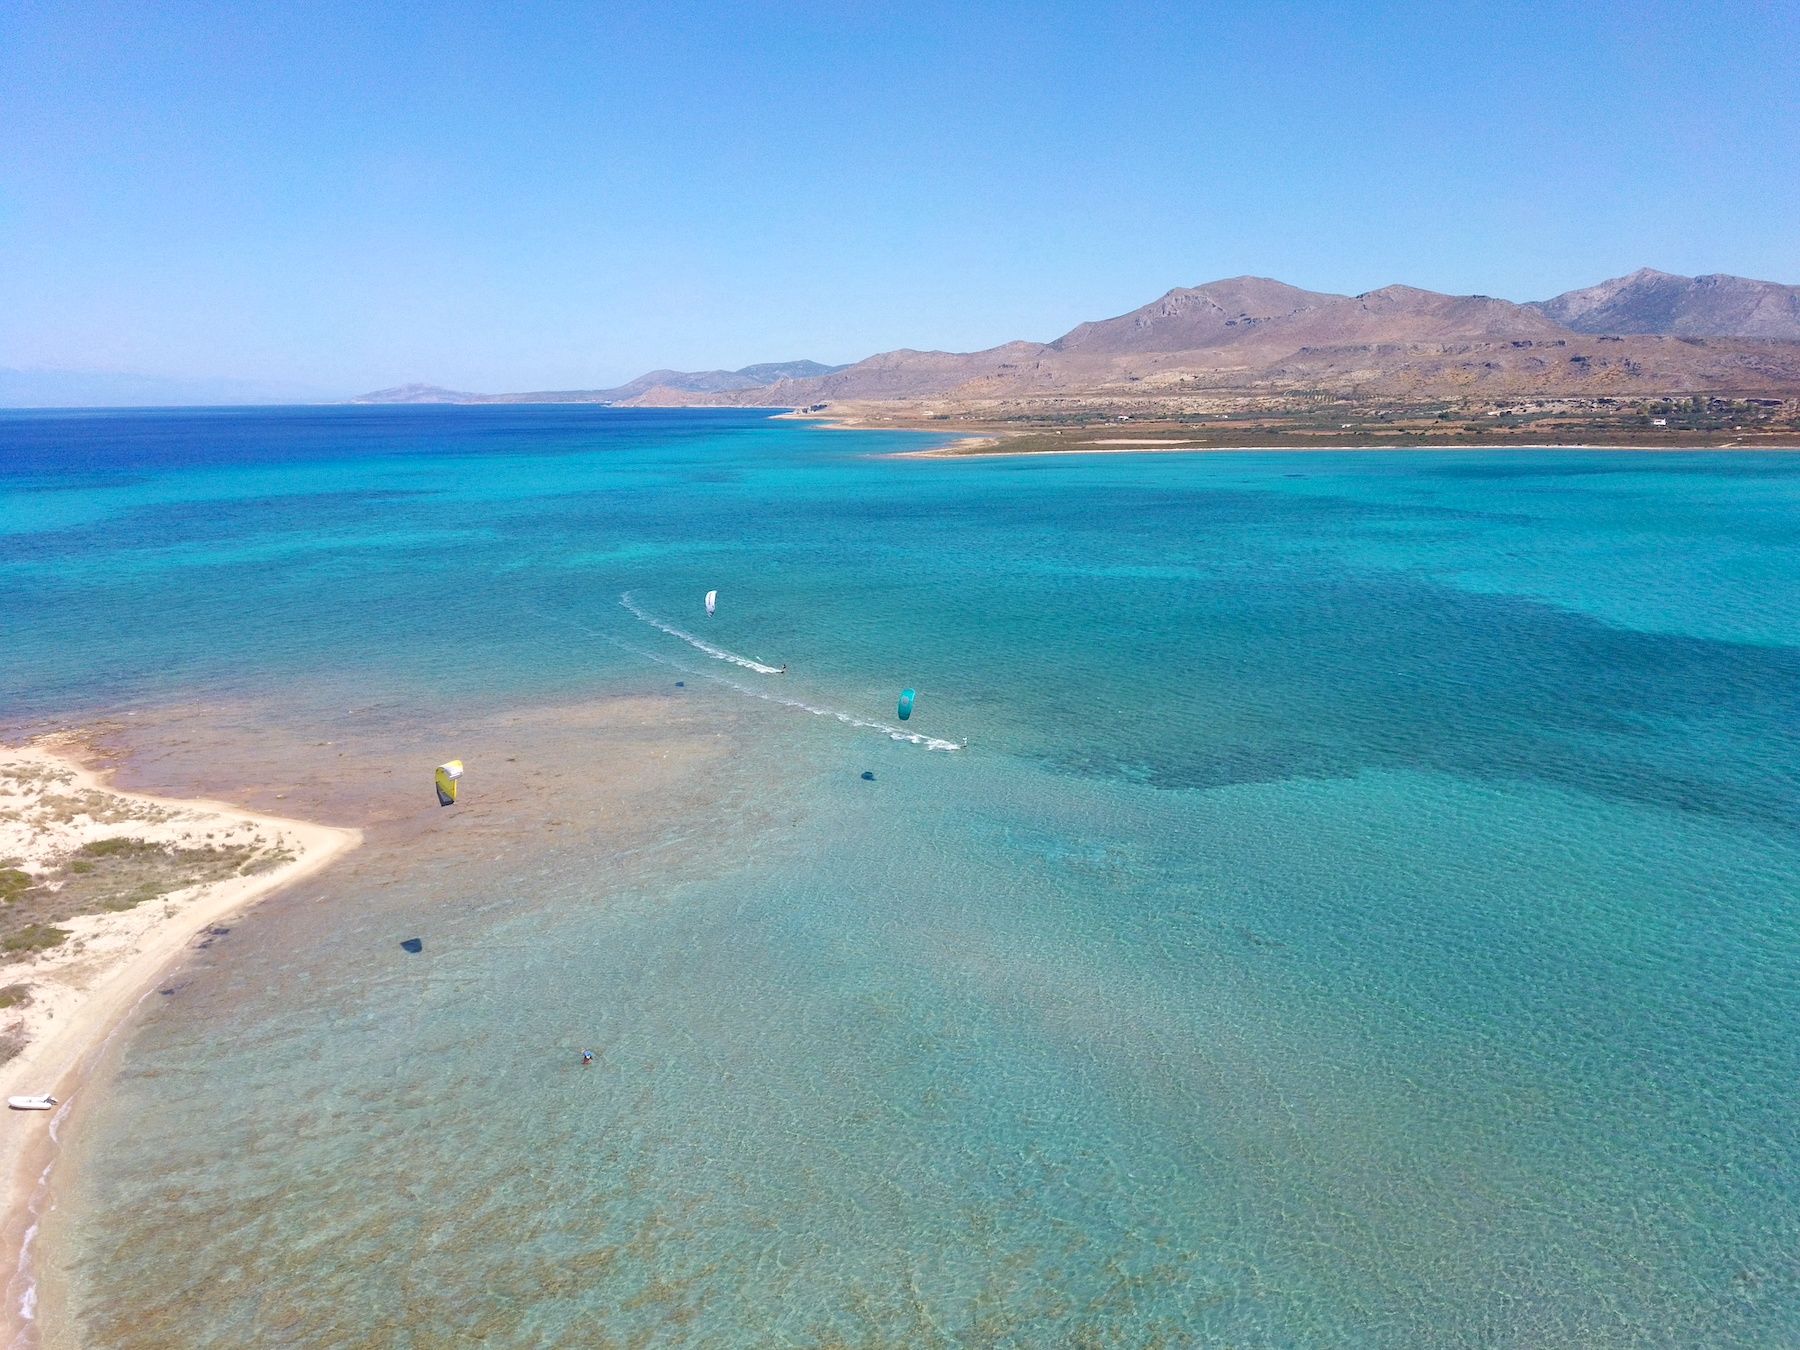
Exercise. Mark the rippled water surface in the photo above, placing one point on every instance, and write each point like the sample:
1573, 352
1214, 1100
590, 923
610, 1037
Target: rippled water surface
1364, 912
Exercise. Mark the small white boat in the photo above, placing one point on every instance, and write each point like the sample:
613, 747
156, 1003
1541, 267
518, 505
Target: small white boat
43, 1103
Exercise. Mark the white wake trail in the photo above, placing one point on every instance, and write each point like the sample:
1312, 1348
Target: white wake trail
848, 719
799, 705
717, 653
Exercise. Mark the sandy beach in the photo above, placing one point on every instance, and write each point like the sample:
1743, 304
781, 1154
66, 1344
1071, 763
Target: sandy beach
84, 990
991, 441
63, 1002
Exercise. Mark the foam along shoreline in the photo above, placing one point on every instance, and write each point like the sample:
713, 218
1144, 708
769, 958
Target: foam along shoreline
79, 991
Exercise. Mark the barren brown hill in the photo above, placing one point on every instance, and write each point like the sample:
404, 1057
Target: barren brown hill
1254, 335
1649, 334
1572, 366
1254, 313
1189, 318
1578, 367
1404, 314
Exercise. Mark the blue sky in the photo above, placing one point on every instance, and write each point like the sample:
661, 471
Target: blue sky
563, 193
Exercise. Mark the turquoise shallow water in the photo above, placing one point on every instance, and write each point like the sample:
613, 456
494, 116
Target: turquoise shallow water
1365, 913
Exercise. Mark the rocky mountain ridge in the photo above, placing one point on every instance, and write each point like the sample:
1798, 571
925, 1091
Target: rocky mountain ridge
1649, 333
1649, 301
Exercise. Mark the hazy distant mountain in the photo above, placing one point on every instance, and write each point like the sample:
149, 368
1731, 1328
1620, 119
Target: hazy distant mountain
1649, 301
687, 381
418, 393
670, 382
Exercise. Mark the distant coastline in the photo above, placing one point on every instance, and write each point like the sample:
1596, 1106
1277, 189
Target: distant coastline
974, 439
1000, 449
1005, 445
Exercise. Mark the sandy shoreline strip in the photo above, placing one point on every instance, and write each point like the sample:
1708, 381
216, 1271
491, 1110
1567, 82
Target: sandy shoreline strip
981, 450
967, 443
82, 989
994, 442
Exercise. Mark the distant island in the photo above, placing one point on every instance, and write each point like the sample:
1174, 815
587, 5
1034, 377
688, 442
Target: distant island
1647, 357
659, 382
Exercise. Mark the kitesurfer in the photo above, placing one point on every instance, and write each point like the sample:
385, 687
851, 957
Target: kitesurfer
587, 1056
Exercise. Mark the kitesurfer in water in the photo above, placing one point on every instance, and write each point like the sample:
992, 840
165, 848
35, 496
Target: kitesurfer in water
783, 669
587, 1056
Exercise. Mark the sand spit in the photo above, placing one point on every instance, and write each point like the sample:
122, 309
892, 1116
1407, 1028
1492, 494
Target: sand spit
967, 443
1062, 427
59, 825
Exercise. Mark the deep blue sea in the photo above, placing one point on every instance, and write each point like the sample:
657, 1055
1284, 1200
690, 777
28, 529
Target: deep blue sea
1366, 910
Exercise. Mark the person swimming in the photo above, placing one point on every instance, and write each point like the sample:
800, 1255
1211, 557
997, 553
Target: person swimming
587, 1056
